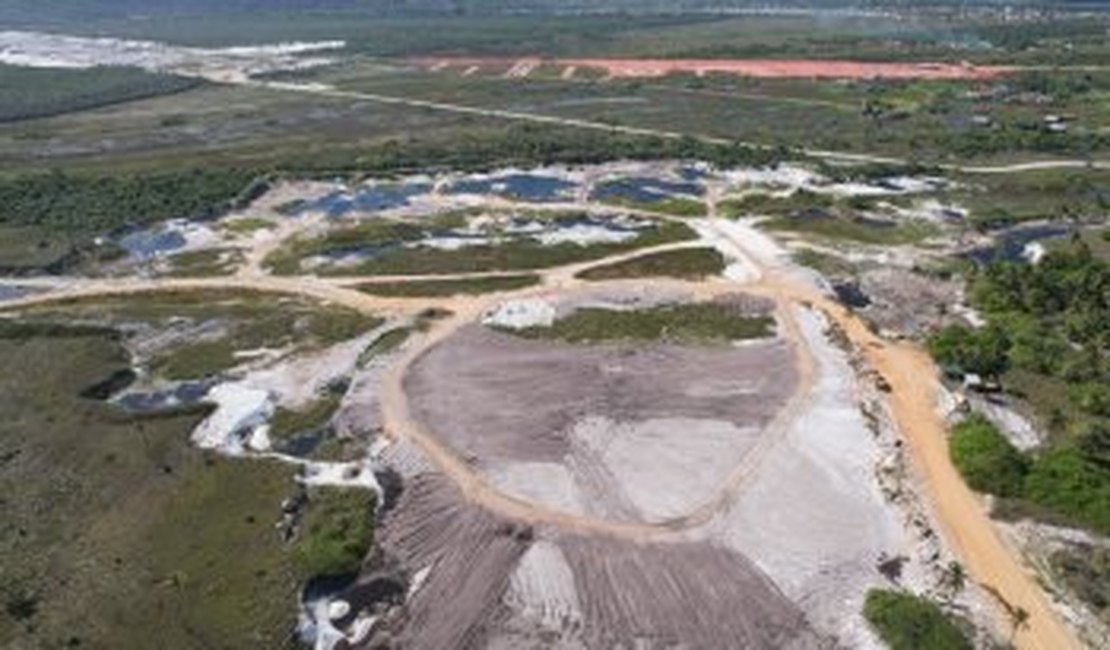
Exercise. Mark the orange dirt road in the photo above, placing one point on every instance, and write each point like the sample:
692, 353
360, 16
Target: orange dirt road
966, 527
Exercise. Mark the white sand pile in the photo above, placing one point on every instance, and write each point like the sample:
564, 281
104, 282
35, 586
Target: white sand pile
665, 467
542, 588
299, 381
521, 314
550, 484
240, 409
585, 235
812, 516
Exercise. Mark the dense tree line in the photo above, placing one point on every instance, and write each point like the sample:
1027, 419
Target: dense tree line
39, 92
530, 144
1049, 321
89, 204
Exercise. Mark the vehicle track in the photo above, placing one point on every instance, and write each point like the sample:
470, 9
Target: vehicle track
910, 373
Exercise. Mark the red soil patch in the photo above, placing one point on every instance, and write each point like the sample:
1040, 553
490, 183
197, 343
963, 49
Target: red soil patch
766, 68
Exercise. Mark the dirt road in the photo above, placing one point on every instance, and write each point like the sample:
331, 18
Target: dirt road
539, 118
910, 373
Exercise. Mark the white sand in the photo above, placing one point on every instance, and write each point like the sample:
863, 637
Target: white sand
813, 516
239, 409
548, 483
520, 314
665, 467
542, 588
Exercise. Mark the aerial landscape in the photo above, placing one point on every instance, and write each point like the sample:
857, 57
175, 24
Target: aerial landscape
428, 324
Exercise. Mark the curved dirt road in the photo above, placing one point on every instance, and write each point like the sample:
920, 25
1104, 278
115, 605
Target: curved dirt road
909, 371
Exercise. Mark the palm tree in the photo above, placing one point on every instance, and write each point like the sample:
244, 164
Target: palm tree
954, 579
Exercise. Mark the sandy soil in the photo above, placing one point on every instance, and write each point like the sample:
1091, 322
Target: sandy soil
460, 523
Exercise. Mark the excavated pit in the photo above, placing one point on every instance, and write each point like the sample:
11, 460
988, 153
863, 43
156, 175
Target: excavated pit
635, 432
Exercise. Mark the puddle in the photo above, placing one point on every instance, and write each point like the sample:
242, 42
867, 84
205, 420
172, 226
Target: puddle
183, 394
851, 295
1011, 245
151, 243
521, 186
301, 446
12, 292
583, 231
369, 198
647, 190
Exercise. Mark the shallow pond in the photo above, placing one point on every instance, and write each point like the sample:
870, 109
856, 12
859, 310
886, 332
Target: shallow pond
369, 198
647, 190
150, 243
521, 186
183, 394
1010, 245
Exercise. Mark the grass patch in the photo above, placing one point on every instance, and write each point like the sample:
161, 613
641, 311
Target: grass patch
27, 93
385, 344
828, 265
687, 263
443, 288
987, 460
286, 423
246, 226
252, 320
908, 622
130, 529
854, 229
699, 323
336, 533
1067, 483
1086, 571
209, 263
29, 247
673, 205
392, 259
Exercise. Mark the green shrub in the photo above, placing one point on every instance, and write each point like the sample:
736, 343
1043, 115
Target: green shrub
1073, 484
691, 324
908, 622
337, 531
986, 459
688, 263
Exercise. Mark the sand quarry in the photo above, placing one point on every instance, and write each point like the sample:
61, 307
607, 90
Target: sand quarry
714, 496
538, 493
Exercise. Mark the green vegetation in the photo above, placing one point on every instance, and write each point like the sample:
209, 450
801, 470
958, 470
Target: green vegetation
251, 320
686, 263
698, 323
777, 206
1046, 338
384, 344
987, 460
908, 622
247, 226
441, 288
131, 530
205, 263
1006, 199
286, 423
27, 93
390, 259
29, 247
673, 205
89, 204
337, 531
860, 230
1086, 571
824, 263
